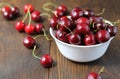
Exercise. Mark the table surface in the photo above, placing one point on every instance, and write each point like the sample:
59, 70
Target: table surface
17, 62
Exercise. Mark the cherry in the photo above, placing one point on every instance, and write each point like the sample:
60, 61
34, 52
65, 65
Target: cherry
20, 26
28, 6
95, 19
35, 16
46, 61
65, 23
63, 8
112, 30
58, 13
89, 39
74, 39
15, 11
54, 22
8, 15
76, 13
39, 27
82, 29
99, 26
102, 36
6, 8
61, 35
30, 29
94, 75
88, 13
82, 20
29, 42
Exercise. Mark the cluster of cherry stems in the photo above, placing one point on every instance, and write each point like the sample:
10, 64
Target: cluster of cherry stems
11, 12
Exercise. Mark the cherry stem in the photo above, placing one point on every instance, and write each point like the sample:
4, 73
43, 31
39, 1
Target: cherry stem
101, 70
68, 29
116, 22
3, 3
33, 53
44, 31
29, 17
25, 17
47, 4
103, 10
45, 14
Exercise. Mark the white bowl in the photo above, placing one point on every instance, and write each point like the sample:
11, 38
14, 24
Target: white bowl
79, 53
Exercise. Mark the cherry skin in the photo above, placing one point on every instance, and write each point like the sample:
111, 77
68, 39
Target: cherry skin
74, 39
46, 61
20, 26
59, 13
8, 15
63, 8
95, 19
15, 11
112, 30
76, 13
39, 27
89, 39
88, 13
102, 36
99, 26
6, 8
28, 6
94, 75
35, 16
82, 29
61, 35
30, 29
54, 22
82, 20
29, 42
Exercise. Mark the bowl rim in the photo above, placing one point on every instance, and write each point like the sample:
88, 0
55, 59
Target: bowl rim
81, 46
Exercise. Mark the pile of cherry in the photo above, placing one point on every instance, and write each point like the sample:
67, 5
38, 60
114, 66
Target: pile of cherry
81, 26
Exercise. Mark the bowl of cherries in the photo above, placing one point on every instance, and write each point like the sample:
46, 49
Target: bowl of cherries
82, 36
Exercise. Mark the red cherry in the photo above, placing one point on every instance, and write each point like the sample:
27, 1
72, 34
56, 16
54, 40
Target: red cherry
99, 26
76, 13
89, 39
8, 15
46, 61
6, 9
59, 13
28, 6
95, 19
94, 75
63, 8
102, 36
20, 26
30, 29
35, 16
88, 13
29, 42
39, 28
54, 22
112, 30
82, 20
74, 39
61, 35
15, 11
83, 29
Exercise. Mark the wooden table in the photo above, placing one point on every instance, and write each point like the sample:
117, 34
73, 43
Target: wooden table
17, 62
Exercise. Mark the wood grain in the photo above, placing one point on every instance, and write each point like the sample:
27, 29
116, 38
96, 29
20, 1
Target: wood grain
17, 62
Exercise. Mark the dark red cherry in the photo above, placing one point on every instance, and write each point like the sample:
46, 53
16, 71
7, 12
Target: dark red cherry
30, 29
95, 19
82, 20
82, 29
102, 36
20, 26
74, 39
99, 26
54, 22
94, 75
35, 16
39, 27
88, 13
112, 30
59, 13
29, 42
15, 11
8, 15
61, 35
46, 61
76, 13
89, 39
63, 8
28, 6
6, 9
